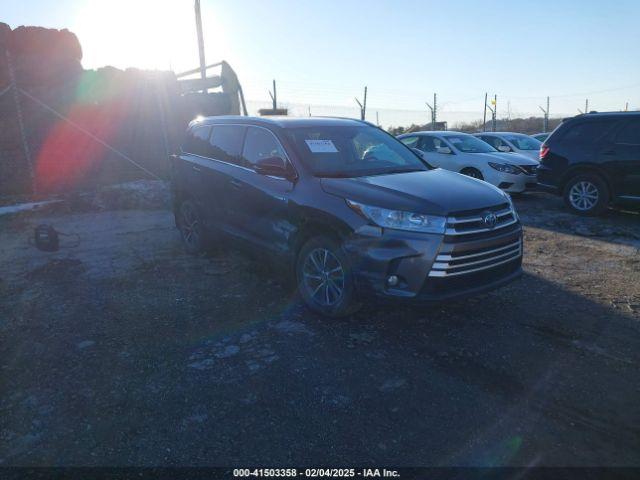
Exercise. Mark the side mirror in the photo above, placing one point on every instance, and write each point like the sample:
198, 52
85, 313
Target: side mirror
444, 150
504, 148
275, 166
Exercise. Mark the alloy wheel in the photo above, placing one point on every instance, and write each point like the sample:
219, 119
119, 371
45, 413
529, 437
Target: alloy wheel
190, 226
583, 195
323, 277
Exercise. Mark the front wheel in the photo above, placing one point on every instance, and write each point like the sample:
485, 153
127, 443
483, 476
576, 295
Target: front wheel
587, 195
324, 278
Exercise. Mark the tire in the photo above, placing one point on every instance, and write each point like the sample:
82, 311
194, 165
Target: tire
191, 228
472, 172
586, 195
323, 287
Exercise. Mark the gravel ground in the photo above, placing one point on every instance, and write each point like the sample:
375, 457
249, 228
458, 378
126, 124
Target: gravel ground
121, 350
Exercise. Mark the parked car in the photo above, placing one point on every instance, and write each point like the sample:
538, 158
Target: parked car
593, 160
349, 210
512, 142
541, 137
464, 153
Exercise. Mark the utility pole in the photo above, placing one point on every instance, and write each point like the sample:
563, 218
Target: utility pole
493, 111
626, 106
203, 68
274, 96
363, 105
546, 116
377, 119
434, 111
484, 115
309, 110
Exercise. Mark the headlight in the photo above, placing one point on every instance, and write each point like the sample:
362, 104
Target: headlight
505, 168
399, 220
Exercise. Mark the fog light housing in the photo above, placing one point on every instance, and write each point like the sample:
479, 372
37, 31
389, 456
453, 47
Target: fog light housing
392, 280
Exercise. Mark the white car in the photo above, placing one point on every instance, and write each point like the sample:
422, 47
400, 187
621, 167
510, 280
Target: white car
512, 142
464, 153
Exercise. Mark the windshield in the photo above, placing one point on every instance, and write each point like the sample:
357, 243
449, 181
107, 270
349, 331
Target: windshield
524, 142
469, 144
352, 151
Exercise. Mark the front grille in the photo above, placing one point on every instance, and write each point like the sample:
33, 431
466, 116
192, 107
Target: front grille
476, 223
529, 169
474, 243
469, 261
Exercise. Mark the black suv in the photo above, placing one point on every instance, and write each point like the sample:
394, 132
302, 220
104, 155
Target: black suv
348, 209
593, 160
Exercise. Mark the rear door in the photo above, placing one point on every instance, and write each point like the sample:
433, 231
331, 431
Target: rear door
626, 154
189, 170
226, 161
258, 204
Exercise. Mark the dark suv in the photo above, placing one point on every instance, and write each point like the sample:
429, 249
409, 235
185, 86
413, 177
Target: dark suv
348, 209
593, 160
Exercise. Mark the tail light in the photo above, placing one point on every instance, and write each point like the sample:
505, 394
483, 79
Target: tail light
544, 150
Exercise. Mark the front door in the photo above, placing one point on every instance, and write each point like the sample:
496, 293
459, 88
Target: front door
258, 204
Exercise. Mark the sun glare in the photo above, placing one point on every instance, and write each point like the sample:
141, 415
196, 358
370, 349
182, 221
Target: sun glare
144, 34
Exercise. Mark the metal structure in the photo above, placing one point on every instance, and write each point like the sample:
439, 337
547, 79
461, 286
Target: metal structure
363, 105
493, 111
203, 69
484, 114
274, 96
545, 125
434, 112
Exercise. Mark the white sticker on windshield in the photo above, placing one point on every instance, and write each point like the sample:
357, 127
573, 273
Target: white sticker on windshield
321, 146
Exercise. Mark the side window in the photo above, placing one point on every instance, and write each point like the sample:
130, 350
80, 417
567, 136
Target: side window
197, 141
260, 143
428, 144
226, 143
411, 142
586, 132
629, 133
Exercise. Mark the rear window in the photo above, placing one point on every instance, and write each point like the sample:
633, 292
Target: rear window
226, 143
197, 141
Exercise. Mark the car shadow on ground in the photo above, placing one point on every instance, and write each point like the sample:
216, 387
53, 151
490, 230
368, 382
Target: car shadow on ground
220, 364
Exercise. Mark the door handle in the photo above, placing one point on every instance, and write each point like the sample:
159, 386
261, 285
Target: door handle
235, 183
196, 168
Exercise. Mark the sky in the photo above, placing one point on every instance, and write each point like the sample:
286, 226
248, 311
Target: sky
323, 53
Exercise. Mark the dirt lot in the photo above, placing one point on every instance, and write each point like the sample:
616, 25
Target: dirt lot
121, 350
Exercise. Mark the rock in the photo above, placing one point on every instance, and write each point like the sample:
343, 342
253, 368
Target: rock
392, 384
203, 364
228, 351
85, 344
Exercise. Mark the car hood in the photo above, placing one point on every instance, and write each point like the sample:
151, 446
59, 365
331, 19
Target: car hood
434, 192
510, 157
